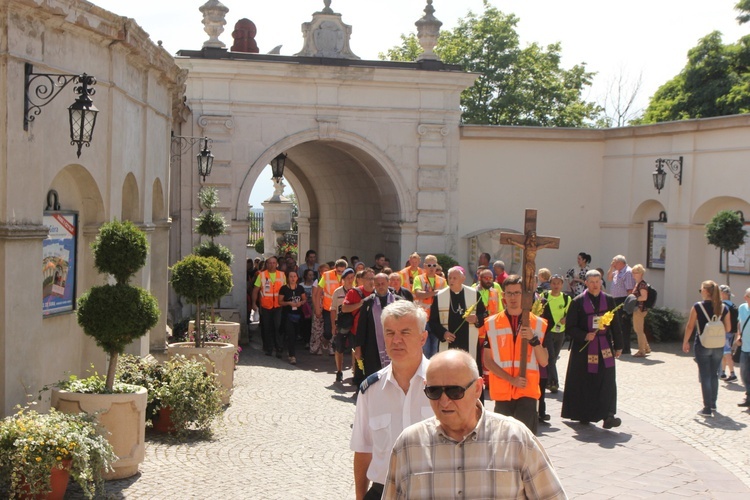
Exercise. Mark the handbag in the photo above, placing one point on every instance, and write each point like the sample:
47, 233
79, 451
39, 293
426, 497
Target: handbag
306, 311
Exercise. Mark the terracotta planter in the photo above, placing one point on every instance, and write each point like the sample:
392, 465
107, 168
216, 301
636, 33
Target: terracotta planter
59, 479
122, 415
226, 329
221, 357
163, 421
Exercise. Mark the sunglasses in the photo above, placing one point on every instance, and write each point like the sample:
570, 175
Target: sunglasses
452, 391
430, 265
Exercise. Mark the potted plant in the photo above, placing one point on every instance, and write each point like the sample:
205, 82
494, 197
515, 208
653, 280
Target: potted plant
40, 452
115, 315
189, 396
201, 281
211, 224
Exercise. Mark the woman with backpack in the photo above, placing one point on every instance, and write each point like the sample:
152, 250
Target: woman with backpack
709, 341
639, 314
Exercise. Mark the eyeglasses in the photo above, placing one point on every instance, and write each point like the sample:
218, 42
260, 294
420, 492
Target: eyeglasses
434, 392
430, 265
512, 294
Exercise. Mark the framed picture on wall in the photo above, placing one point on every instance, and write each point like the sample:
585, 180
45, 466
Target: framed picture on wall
739, 260
59, 262
657, 243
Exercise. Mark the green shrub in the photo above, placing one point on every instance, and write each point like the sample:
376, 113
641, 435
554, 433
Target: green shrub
120, 249
211, 249
446, 262
260, 246
664, 324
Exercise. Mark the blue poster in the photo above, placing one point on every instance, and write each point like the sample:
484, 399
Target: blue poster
58, 263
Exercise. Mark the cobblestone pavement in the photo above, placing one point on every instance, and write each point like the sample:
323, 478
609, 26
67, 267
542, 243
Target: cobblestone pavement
286, 435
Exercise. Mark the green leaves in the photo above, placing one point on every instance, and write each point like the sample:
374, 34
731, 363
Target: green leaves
201, 279
120, 249
726, 231
515, 86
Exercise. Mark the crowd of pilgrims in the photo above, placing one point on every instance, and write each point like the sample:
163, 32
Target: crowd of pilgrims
333, 308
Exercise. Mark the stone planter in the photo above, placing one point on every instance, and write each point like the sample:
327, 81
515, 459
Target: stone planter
122, 415
220, 354
227, 329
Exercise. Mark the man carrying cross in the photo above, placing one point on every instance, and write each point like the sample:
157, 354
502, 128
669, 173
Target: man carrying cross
514, 368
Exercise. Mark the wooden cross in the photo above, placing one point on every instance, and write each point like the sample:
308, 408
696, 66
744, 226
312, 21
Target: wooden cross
530, 243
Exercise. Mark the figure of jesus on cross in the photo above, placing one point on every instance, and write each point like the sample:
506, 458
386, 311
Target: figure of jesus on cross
530, 242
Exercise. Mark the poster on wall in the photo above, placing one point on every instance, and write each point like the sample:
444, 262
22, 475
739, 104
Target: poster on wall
59, 263
739, 260
657, 243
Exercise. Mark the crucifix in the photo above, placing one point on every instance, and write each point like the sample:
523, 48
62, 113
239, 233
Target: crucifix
530, 243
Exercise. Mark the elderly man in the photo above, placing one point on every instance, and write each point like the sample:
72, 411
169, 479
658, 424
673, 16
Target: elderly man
395, 282
465, 451
370, 341
620, 275
590, 384
391, 399
499, 269
448, 319
514, 395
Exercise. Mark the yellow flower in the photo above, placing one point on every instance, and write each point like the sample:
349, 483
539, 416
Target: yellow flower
537, 308
470, 310
38, 459
607, 318
59, 459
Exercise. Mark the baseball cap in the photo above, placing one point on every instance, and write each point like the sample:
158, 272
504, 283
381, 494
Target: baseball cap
556, 277
726, 289
347, 272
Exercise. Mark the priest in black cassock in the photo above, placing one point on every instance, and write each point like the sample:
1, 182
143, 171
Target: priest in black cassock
370, 341
447, 321
590, 384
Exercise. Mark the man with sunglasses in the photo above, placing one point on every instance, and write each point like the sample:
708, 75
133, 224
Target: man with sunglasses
390, 399
465, 451
424, 288
514, 395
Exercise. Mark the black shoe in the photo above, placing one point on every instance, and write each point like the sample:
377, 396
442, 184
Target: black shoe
339, 377
553, 388
610, 422
585, 422
278, 354
744, 404
731, 378
544, 418
723, 376
705, 412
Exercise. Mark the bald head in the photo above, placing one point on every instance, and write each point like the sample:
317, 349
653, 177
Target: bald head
453, 363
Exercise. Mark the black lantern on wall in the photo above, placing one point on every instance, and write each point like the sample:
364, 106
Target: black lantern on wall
182, 144
277, 166
660, 175
205, 159
41, 88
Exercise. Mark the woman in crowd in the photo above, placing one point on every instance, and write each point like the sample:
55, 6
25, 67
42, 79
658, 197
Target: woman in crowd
743, 343
308, 282
319, 345
708, 359
639, 315
577, 277
291, 297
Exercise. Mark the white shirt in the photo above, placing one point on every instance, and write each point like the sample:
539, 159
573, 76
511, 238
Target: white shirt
383, 411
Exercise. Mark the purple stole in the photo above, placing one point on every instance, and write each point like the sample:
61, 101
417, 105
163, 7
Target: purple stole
600, 341
376, 311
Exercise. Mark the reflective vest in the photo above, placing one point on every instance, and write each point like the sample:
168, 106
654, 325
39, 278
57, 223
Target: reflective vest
440, 283
506, 352
492, 298
331, 280
444, 304
269, 289
408, 276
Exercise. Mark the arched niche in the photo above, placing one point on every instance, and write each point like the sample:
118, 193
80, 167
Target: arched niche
158, 206
130, 200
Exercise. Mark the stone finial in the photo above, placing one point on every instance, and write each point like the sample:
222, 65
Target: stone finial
327, 36
214, 13
428, 30
327, 9
244, 37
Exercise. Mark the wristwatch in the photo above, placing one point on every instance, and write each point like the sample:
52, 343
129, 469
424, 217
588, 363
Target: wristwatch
534, 342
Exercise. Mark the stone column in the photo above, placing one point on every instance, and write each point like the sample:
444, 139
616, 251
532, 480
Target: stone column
159, 284
277, 219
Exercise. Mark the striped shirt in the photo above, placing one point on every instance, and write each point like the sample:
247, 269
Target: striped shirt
500, 458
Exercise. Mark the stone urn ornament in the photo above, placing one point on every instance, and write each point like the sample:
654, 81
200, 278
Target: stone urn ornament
214, 14
428, 31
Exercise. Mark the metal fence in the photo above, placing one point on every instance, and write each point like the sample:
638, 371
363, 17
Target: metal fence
254, 227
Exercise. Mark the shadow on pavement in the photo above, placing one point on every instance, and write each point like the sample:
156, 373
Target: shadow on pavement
590, 433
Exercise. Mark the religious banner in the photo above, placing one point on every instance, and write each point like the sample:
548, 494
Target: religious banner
657, 243
59, 262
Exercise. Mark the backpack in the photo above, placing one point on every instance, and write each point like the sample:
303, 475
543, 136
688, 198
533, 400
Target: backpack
345, 321
713, 335
651, 299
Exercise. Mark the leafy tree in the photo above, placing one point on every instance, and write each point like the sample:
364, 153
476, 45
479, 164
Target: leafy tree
212, 224
726, 231
714, 82
516, 86
744, 7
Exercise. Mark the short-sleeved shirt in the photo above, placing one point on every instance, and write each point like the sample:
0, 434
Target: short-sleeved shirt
271, 276
701, 318
355, 297
289, 295
383, 411
744, 314
338, 297
622, 281
500, 453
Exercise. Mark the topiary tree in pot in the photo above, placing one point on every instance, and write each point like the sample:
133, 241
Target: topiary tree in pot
211, 224
201, 281
117, 314
726, 231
